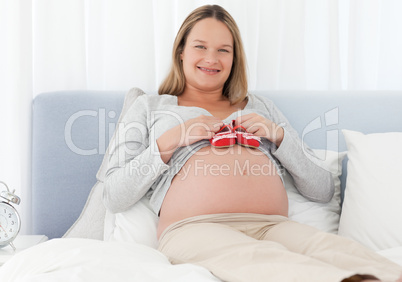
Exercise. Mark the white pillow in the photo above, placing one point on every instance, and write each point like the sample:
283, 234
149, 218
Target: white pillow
372, 206
139, 223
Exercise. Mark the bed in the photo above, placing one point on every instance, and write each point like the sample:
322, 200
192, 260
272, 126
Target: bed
351, 131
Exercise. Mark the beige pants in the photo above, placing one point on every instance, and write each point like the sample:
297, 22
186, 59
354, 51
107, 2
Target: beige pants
254, 247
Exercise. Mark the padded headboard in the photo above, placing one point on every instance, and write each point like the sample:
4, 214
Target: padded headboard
71, 130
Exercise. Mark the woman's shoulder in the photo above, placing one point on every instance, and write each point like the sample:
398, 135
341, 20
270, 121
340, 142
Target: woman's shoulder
158, 98
260, 100
152, 101
138, 103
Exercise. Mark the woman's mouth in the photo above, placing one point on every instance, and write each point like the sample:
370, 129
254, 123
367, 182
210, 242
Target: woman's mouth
208, 70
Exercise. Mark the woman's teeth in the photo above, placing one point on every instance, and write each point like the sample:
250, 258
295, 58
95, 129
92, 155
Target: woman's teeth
209, 70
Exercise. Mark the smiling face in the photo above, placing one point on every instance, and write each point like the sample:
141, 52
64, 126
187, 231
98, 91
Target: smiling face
207, 56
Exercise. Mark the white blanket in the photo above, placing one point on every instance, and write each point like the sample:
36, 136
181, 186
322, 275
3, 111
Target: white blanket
92, 260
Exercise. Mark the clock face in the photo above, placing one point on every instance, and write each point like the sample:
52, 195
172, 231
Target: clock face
9, 224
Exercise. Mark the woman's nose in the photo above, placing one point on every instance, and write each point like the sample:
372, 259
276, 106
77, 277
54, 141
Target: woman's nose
211, 58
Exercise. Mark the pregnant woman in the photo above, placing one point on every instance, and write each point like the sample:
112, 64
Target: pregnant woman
211, 158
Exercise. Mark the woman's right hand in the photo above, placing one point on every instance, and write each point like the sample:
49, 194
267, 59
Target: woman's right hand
187, 133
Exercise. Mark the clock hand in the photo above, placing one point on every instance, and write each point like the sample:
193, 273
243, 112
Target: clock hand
5, 232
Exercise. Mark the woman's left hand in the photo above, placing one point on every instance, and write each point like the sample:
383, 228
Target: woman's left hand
262, 127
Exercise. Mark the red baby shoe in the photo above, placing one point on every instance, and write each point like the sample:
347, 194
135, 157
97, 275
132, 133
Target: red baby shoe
246, 139
225, 137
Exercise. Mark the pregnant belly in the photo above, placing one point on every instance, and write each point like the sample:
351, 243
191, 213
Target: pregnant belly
232, 180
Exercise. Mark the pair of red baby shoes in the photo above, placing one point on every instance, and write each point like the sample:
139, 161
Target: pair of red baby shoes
228, 135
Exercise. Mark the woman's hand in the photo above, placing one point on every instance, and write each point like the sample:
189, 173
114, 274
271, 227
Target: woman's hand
262, 127
187, 133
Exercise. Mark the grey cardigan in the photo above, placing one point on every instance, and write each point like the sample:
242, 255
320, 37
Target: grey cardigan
135, 168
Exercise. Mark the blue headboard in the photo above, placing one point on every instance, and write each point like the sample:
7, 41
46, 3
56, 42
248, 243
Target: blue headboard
71, 130
70, 135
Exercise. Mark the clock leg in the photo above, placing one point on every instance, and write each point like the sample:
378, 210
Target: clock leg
12, 246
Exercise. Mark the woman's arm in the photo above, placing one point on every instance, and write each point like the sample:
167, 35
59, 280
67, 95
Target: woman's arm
137, 160
313, 182
134, 162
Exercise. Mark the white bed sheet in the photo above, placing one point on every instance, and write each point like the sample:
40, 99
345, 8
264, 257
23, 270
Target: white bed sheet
394, 254
92, 260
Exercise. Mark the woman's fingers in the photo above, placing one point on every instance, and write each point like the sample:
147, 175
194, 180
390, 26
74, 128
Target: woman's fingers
262, 127
187, 133
255, 124
202, 127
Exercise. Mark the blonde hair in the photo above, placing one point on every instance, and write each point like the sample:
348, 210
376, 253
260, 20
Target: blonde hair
235, 88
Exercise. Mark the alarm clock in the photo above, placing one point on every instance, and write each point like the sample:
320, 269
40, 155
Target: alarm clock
10, 222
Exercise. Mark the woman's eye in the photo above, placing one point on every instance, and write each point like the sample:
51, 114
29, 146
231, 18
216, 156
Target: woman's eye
200, 47
224, 50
